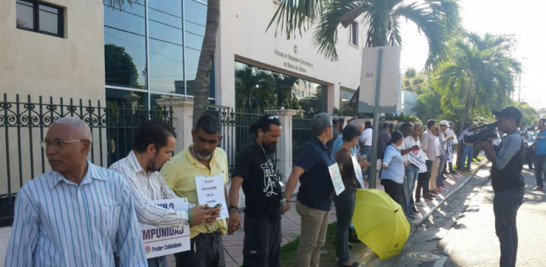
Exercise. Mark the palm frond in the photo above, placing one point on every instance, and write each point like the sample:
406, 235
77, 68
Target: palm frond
296, 16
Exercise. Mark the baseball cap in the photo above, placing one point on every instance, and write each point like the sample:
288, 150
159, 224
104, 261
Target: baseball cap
444, 123
509, 112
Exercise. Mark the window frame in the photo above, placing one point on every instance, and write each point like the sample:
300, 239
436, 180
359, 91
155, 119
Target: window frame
353, 34
36, 18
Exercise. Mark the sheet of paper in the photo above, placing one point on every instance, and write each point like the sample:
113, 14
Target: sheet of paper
336, 178
210, 191
358, 171
160, 241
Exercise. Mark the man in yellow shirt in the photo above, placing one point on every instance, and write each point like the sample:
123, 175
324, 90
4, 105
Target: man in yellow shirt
201, 159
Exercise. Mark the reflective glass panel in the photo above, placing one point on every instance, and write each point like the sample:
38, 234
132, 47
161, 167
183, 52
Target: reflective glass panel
195, 19
48, 18
125, 45
25, 18
166, 46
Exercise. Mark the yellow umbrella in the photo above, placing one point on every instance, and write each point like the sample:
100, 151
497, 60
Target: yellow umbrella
380, 222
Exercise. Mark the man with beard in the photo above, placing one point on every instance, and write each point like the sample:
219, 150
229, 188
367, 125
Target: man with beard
152, 146
201, 159
256, 172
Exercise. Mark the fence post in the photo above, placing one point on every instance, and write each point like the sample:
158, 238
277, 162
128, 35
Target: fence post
182, 120
284, 147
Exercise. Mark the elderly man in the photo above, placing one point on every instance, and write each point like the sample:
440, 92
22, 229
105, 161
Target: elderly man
315, 195
153, 145
77, 213
200, 160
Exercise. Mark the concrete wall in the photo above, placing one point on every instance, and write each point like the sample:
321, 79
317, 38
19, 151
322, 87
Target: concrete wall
243, 37
40, 64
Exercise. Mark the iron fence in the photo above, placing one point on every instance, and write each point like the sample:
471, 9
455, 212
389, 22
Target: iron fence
235, 126
301, 132
24, 124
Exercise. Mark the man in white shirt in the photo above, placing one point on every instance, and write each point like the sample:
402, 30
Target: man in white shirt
412, 170
153, 145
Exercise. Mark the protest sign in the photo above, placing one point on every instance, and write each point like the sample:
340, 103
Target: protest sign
336, 178
210, 191
160, 241
358, 171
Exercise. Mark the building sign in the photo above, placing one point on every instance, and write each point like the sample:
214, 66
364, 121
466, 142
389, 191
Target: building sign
160, 241
293, 62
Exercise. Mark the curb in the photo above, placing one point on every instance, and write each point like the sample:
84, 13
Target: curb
447, 196
368, 257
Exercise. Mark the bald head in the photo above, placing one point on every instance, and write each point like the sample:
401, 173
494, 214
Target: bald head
80, 128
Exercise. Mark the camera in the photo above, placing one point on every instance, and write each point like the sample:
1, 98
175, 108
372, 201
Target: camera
482, 133
280, 188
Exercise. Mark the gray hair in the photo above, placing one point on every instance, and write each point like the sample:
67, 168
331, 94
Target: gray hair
358, 124
77, 124
319, 122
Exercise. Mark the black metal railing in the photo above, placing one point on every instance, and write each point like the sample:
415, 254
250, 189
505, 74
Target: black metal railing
24, 124
301, 132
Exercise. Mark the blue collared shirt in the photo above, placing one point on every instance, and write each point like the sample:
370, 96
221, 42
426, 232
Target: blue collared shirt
395, 165
60, 223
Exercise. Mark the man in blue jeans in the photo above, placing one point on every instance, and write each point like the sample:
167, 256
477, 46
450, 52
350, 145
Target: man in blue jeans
468, 149
507, 182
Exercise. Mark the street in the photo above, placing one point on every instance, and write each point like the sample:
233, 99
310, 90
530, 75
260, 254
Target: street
462, 231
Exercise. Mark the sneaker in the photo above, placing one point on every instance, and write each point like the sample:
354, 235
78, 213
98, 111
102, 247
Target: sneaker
537, 188
419, 203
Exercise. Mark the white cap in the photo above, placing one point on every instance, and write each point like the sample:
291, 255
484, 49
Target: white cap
444, 123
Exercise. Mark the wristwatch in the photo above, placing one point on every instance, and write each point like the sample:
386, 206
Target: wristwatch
233, 209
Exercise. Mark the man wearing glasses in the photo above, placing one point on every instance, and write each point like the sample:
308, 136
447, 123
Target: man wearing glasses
77, 213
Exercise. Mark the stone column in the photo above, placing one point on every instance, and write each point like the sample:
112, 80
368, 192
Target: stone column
182, 120
284, 147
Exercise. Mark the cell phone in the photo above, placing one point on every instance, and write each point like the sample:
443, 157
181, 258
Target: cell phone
219, 205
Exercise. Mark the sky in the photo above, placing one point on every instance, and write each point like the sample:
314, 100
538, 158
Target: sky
524, 19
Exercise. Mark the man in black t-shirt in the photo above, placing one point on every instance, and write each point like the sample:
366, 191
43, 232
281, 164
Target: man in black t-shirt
257, 174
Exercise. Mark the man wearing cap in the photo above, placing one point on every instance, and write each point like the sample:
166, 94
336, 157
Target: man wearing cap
507, 182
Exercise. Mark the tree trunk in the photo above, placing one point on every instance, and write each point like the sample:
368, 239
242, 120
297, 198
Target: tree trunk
202, 78
464, 117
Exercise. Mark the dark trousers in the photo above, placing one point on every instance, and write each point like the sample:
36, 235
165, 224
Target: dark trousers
422, 182
206, 251
505, 205
540, 169
395, 191
262, 243
345, 205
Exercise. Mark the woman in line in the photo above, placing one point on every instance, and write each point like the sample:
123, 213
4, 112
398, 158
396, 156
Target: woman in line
345, 202
392, 176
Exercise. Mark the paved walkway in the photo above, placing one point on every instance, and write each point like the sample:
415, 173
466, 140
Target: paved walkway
233, 244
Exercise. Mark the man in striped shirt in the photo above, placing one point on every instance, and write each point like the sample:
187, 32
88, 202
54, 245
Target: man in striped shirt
153, 145
77, 213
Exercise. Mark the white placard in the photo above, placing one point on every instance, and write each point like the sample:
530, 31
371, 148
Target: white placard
160, 241
417, 158
210, 191
336, 178
358, 171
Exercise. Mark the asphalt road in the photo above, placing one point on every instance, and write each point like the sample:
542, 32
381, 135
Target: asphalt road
462, 232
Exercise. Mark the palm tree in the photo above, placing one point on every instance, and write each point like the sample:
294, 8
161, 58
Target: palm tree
202, 77
478, 77
437, 19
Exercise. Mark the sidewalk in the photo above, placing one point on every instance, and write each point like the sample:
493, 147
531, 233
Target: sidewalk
233, 244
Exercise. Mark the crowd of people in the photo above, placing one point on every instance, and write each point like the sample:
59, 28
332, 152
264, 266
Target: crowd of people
81, 214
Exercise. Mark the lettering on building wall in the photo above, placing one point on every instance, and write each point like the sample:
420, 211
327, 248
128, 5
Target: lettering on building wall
294, 62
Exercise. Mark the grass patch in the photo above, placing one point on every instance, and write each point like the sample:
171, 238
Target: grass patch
327, 257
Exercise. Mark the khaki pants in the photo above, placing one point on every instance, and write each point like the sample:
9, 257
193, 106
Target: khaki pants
434, 174
313, 235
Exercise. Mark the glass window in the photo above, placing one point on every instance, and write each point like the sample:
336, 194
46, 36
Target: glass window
40, 17
354, 33
125, 45
49, 19
25, 15
166, 46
